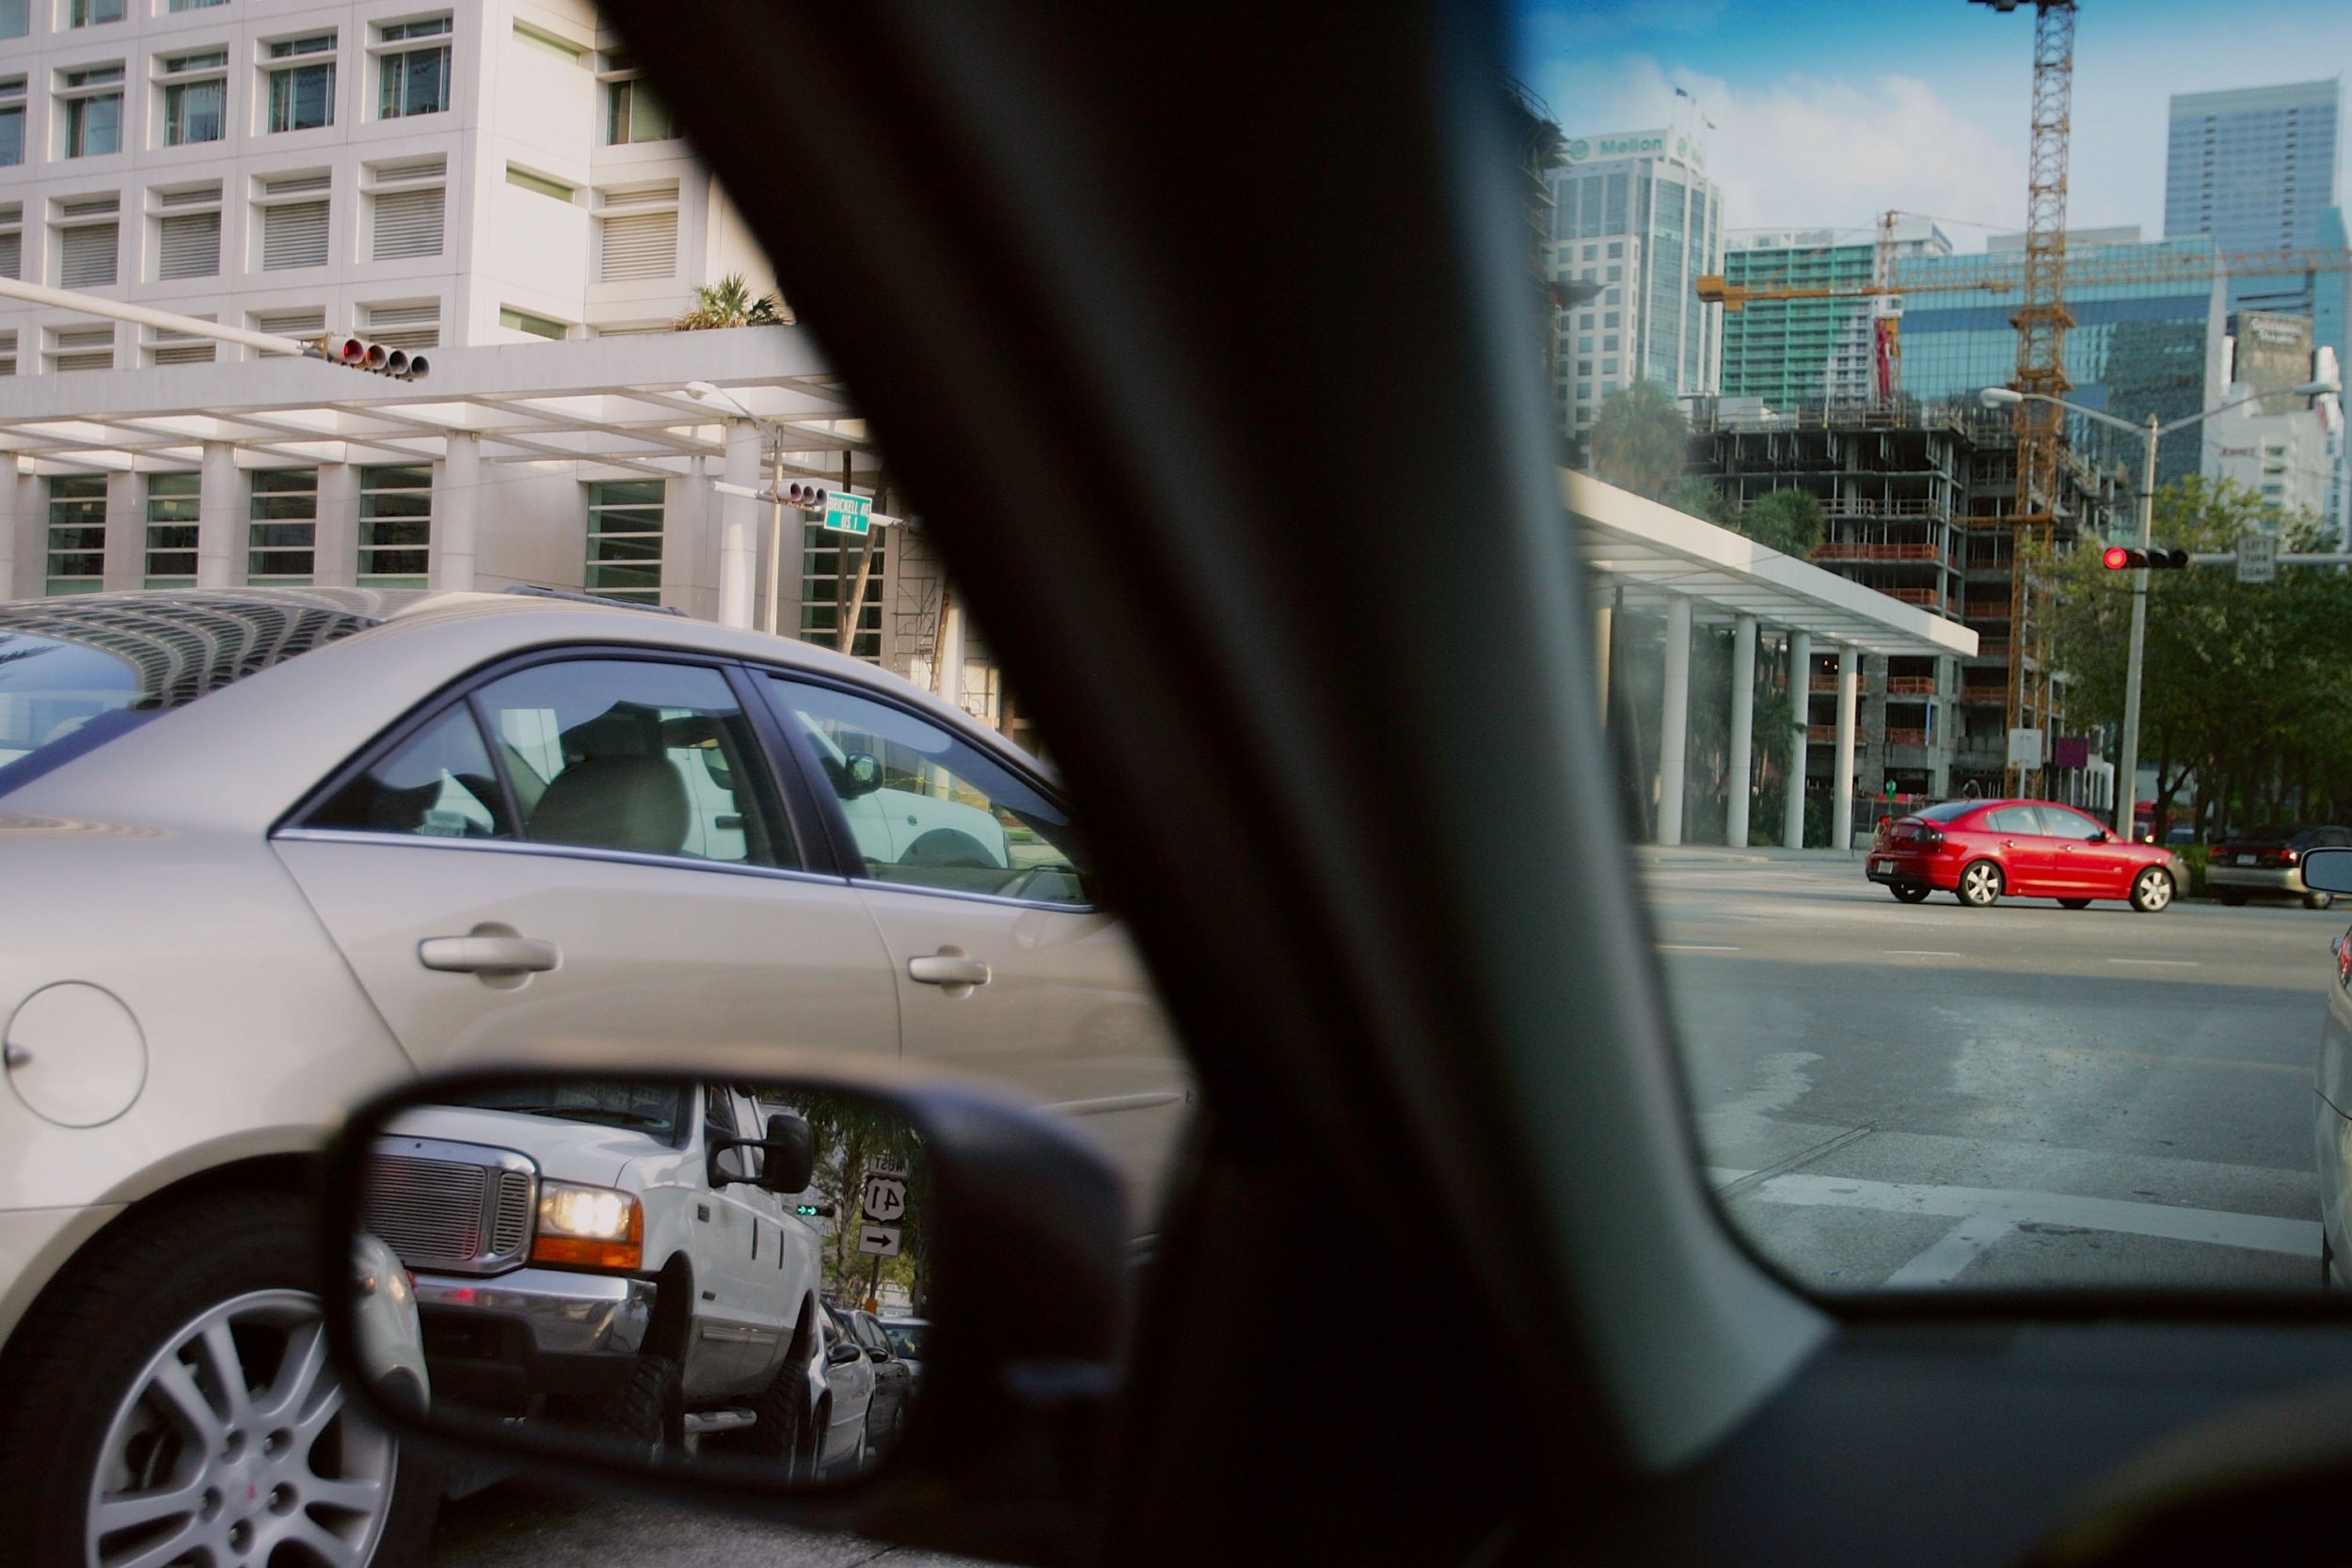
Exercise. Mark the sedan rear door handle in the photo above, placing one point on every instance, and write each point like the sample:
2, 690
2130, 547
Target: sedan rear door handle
487, 955
947, 966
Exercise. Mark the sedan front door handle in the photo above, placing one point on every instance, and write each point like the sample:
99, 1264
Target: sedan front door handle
949, 966
488, 954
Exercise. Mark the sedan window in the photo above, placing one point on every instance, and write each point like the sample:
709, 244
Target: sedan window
437, 783
2015, 819
632, 754
928, 810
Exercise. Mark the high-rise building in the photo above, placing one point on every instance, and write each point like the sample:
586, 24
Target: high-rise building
2135, 349
2254, 167
1787, 351
1635, 214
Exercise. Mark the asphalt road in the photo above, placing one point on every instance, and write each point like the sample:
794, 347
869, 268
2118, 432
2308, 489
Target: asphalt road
1930, 1096
1888, 1096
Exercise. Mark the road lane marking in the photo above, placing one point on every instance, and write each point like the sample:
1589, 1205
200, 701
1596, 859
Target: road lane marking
2163, 1221
1960, 1246
1917, 953
2160, 963
1695, 947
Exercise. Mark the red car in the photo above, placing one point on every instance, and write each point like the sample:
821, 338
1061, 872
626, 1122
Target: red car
1980, 849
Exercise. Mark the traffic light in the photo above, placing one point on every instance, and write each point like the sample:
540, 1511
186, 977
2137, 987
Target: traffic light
359, 355
2119, 559
810, 497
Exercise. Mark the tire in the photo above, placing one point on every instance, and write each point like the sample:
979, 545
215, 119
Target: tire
2075, 903
2231, 896
2151, 890
648, 1412
1910, 892
781, 1434
116, 1386
2318, 900
1980, 884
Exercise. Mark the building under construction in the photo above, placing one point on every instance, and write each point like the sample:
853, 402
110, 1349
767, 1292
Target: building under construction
1922, 502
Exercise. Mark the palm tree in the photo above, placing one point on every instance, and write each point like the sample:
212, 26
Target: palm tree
1641, 440
729, 302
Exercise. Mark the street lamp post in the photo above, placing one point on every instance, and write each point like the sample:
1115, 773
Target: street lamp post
702, 391
2150, 434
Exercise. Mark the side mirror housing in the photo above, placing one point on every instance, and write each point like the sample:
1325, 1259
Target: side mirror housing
843, 1352
861, 774
791, 1154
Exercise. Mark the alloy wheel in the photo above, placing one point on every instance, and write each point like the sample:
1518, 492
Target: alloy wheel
2155, 890
1980, 883
234, 1446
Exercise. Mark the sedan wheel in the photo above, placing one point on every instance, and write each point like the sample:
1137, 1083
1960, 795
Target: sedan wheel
2151, 890
2318, 900
233, 1444
1980, 884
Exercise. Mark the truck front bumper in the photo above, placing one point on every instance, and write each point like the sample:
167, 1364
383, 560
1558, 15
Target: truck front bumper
496, 1341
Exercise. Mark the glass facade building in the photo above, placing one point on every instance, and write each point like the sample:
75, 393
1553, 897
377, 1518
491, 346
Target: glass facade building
2256, 170
1635, 217
2134, 348
1790, 351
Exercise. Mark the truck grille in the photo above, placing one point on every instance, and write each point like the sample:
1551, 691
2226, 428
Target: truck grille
449, 1214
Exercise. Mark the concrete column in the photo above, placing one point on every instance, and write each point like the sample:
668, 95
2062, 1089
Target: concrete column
1742, 727
1841, 806
32, 531
220, 517
1800, 683
335, 534
125, 565
457, 510
1673, 720
739, 538
1604, 634
15, 495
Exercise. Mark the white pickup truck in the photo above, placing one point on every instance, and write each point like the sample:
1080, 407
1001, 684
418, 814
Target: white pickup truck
620, 1255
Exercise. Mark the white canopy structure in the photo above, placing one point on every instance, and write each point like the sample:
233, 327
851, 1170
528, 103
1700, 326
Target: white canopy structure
1642, 553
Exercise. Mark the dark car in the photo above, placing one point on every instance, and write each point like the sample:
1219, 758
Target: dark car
2267, 863
1979, 850
894, 1379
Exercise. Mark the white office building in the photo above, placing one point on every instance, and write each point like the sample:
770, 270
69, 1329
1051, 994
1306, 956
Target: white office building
483, 183
1635, 217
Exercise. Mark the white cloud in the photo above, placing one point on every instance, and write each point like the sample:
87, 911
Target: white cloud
1813, 152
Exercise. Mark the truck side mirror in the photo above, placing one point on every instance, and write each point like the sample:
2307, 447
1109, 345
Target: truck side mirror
791, 1154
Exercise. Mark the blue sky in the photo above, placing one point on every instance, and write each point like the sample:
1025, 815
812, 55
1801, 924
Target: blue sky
1827, 111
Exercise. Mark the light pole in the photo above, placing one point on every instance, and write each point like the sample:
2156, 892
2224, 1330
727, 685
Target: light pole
2127, 772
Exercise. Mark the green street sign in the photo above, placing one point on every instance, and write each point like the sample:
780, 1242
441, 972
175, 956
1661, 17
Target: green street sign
849, 514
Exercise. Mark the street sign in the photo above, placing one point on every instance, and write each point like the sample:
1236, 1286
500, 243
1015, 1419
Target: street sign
879, 1240
885, 1197
849, 514
2025, 749
2258, 558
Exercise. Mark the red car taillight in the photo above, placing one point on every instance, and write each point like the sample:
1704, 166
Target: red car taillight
1929, 837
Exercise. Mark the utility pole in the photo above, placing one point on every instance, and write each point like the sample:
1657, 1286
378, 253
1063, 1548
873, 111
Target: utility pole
776, 527
2127, 775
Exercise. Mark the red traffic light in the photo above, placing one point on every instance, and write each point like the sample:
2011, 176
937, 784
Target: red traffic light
2117, 558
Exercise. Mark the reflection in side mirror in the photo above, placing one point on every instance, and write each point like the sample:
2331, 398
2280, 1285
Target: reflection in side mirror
2327, 870
535, 1268
530, 1256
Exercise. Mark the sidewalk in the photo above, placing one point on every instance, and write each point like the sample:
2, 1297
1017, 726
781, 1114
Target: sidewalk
1755, 854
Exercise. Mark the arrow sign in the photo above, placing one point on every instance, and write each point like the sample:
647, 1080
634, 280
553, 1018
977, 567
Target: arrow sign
885, 1197
879, 1240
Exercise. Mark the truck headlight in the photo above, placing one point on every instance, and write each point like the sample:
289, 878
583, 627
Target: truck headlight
588, 1228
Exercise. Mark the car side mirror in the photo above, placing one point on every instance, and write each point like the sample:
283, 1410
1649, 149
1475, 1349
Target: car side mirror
861, 774
2327, 870
2100, 836
786, 1157
545, 1258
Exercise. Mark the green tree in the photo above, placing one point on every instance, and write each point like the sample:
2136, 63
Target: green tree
1701, 498
1641, 441
1790, 521
2246, 688
730, 302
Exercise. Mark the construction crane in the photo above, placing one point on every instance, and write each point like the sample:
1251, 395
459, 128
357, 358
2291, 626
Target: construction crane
2098, 269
